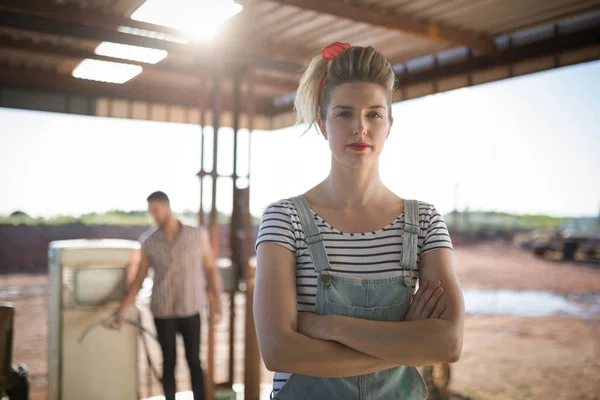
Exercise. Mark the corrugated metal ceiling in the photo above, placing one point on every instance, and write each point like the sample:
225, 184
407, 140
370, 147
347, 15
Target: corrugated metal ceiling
278, 31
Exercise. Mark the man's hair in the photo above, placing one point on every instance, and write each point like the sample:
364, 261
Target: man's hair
158, 196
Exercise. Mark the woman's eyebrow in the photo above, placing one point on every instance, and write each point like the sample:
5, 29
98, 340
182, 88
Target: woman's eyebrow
352, 108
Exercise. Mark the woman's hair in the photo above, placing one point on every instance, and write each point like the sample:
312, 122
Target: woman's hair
354, 64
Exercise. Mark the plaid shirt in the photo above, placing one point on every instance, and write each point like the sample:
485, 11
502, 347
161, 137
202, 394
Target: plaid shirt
179, 287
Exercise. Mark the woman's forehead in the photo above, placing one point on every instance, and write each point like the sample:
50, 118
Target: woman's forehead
359, 95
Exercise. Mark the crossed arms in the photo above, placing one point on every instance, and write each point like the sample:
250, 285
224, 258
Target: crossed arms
333, 346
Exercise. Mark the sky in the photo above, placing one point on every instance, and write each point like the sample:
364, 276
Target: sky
526, 145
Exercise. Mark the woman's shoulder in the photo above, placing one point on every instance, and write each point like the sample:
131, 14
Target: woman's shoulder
427, 212
279, 225
282, 205
425, 207
282, 210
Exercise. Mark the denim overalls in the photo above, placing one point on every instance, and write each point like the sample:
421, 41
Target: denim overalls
373, 299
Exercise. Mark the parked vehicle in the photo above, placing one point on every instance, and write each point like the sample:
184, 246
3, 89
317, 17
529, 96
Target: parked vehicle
566, 245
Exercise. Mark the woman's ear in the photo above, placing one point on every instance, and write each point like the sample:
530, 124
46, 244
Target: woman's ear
322, 128
390, 128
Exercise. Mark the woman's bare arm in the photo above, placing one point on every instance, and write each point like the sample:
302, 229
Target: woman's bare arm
275, 315
413, 343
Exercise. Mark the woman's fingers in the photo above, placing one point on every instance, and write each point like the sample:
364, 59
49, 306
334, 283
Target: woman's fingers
419, 293
415, 300
439, 309
424, 299
432, 303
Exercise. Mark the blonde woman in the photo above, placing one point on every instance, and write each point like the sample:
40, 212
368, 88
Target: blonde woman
336, 312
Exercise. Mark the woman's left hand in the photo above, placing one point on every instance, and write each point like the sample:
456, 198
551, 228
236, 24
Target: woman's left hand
315, 326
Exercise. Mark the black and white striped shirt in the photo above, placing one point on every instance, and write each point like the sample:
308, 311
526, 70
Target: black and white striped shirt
369, 255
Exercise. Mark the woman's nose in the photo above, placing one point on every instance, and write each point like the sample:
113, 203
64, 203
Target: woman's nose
360, 129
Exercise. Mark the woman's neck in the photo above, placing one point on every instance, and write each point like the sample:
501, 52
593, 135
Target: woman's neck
354, 187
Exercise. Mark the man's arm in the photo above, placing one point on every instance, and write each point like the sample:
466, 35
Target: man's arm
413, 343
134, 287
282, 347
213, 276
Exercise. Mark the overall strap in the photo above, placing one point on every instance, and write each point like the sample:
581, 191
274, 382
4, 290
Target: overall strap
314, 239
410, 235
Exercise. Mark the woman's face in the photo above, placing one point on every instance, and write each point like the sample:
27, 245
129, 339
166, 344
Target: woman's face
358, 123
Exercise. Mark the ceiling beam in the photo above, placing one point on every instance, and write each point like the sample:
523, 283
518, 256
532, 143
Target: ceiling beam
282, 85
553, 46
236, 31
84, 16
60, 51
209, 58
65, 84
50, 26
228, 40
401, 23
548, 47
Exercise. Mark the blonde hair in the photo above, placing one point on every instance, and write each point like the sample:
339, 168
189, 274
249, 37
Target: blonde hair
354, 64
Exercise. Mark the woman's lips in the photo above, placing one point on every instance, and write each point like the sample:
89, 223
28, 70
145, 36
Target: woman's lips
359, 146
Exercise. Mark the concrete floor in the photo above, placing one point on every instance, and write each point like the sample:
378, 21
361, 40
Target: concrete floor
265, 391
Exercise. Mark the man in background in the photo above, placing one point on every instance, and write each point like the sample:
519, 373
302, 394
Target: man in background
184, 267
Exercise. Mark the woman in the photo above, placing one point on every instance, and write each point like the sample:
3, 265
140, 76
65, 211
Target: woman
335, 277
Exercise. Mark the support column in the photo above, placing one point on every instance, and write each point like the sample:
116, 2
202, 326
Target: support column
202, 173
216, 117
233, 225
251, 352
213, 231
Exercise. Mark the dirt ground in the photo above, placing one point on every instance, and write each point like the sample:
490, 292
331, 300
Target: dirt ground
503, 357
499, 265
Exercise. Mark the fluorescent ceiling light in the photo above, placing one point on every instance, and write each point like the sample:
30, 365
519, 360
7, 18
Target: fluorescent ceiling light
198, 18
151, 34
105, 71
128, 52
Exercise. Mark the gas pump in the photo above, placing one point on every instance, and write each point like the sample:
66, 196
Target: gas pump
88, 280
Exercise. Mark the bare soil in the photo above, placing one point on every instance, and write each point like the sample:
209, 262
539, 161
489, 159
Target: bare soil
504, 357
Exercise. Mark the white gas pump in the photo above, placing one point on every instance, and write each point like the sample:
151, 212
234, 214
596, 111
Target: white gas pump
88, 280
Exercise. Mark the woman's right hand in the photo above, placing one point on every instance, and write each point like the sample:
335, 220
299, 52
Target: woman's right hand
425, 303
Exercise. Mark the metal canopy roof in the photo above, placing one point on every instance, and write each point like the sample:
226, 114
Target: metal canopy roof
435, 45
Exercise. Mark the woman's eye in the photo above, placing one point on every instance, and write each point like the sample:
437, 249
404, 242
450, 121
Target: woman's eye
345, 114
375, 115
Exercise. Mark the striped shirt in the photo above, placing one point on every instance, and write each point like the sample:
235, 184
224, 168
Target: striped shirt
179, 287
369, 255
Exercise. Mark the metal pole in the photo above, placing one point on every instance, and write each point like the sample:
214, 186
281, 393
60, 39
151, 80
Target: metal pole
250, 128
234, 223
236, 122
250, 111
202, 173
216, 97
252, 354
214, 231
